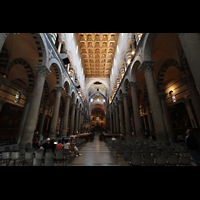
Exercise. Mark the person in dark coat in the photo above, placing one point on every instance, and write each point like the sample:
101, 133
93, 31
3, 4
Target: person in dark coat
192, 144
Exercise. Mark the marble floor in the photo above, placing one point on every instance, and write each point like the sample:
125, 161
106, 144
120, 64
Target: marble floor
94, 153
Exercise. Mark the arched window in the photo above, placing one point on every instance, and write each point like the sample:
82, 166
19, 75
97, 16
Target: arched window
17, 97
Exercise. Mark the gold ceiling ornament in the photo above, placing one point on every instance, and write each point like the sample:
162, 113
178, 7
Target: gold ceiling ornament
97, 53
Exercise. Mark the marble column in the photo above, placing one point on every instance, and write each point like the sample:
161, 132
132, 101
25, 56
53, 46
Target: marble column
54, 120
136, 112
121, 117
194, 95
117, 119
31, 120
79, 121
48, 120
132, 123
158, 120
23, 118
146, 104
127, 114
189, 110
82, 119
76, 120
61, 124
111, 122
114, 120
42, 118
66, 116
72, 119
168, 121
191, 46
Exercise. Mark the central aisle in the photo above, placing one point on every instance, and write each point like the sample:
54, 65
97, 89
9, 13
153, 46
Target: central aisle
94, 153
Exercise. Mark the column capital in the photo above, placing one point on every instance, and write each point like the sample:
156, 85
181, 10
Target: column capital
42, 70
133, 85
112, 108
125, 95
147, 66
116, 106
68, 96
120, 101
59, 88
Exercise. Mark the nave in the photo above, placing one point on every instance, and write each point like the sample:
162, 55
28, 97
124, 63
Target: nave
94, 153
135, 84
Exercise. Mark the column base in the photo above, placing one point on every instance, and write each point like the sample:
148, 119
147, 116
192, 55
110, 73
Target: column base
26, 138
52, 134
64, 133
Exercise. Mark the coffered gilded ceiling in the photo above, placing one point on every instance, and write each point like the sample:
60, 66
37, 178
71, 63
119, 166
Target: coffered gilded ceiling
97, 53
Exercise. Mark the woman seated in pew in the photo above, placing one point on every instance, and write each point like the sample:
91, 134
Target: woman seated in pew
73, 147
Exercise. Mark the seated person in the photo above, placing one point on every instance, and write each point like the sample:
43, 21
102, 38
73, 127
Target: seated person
59, 145
46, 145
67, 145
73, 146
35, 143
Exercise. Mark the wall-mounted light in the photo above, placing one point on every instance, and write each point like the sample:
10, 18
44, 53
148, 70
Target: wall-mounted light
173, 96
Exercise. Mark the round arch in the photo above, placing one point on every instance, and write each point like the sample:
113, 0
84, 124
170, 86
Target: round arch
67, 87
134, 68
28, 69
148, 44
73, 96
164, 69
95, 93
41, 47
125, 85
53, 62
95, 80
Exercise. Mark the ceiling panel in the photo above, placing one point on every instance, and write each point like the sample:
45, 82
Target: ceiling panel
97, 53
